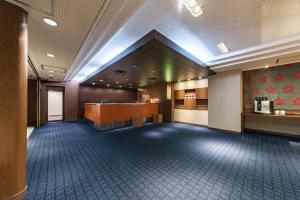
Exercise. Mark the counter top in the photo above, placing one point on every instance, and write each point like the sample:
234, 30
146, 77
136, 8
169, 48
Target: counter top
271, 115
118, 103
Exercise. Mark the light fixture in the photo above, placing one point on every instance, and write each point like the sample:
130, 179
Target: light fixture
120, 86
189, 79
107, 85
50, 75
101, 80
133, 66
49, 21
193, 6
199, 77
267, 66
50, 55
117, 82
93, 83
51, 71
130, 87
223, 47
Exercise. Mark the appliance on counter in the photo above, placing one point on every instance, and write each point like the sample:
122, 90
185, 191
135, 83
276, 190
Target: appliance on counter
263, 105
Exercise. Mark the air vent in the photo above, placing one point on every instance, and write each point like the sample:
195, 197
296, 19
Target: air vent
54, 69
289, 60
119, 72
152, 79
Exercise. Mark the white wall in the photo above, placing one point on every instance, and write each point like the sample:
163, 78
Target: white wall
225, 101
199, 117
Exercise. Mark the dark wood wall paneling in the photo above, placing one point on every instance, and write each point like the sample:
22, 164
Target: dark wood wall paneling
160, 91
32, 102
76, 95
89, 94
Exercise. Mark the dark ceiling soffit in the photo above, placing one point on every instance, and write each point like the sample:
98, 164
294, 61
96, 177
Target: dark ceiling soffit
154, 34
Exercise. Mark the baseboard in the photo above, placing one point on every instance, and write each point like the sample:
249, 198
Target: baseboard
224, 130
191, 124
19, 196
273, 133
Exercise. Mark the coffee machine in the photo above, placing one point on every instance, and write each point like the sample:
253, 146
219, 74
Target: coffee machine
263, 105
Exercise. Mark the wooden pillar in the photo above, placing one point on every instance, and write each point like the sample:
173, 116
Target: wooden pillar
172, 102
13, 101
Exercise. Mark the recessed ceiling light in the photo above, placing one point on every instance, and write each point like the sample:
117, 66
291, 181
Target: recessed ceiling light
133, 66
120, 86
49, 21
267, 66
50, 55
130, 84
223, 47
108, 85
101, 80
193, 6
117, 82
199, 77
93, 83
51, 75
130, 87
51, 71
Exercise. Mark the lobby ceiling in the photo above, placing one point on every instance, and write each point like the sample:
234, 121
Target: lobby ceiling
90, 33
151, 60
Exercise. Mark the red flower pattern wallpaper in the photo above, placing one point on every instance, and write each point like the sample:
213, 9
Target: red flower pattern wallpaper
280, 84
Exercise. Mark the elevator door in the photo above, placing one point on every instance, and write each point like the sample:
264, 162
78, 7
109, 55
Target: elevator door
55, 105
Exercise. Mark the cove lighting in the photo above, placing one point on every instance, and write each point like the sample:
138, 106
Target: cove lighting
193, 6
49, 21
223, 47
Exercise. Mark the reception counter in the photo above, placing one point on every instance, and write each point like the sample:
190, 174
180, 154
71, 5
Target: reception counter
107, 116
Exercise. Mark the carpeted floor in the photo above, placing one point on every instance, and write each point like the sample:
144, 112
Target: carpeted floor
169, 161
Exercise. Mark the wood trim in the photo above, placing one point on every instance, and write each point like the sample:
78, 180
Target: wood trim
172, 102
19, 196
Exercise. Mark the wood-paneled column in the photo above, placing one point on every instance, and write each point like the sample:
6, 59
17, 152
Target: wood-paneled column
13, 101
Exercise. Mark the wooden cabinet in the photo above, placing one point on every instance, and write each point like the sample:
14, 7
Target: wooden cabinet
202, 93
190, 103
179, 94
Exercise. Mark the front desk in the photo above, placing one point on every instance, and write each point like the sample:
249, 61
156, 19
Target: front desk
108, 116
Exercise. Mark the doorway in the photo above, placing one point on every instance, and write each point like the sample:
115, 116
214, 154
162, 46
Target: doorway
55, 105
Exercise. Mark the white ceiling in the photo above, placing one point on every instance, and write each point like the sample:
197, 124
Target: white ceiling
255, 30
241, 24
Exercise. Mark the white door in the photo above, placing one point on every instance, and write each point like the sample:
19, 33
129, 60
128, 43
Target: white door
55, 105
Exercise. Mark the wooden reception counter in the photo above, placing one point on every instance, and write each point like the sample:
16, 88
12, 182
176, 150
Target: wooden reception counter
107, 116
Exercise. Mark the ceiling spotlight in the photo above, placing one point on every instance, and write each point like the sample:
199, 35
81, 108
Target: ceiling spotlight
133, 66
120, 86
199, 77
107, 85
117, 82
193, 6
223, 47
101, 80
267, 66
93, 83
50, 55
51, 71
49, 21
50, 75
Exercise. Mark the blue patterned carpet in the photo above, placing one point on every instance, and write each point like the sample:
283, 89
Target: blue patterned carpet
169, 161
